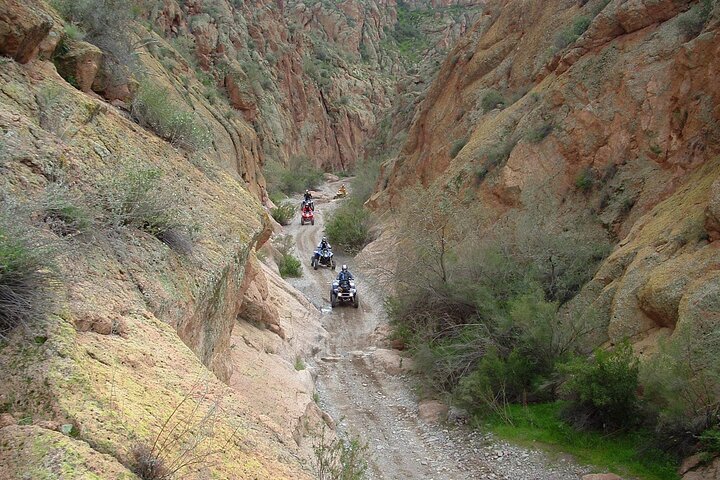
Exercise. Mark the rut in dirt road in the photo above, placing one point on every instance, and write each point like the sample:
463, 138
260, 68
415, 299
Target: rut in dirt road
368, 390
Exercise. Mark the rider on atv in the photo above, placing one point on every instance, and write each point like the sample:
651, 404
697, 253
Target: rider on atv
308, 196
324, 244
345, 275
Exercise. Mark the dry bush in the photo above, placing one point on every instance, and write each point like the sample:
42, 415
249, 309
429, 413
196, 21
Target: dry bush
27, 279
188, 440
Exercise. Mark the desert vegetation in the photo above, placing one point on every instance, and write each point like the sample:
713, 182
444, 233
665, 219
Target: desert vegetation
295, 177
349, 225
492, 324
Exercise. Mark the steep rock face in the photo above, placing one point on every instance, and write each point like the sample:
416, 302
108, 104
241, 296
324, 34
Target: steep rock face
619, 118
23, 26
314, 78
138, 323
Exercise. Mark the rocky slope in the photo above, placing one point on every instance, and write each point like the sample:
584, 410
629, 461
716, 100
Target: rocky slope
606, 107
132, 142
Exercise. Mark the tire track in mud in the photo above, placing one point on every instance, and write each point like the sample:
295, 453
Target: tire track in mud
380, 408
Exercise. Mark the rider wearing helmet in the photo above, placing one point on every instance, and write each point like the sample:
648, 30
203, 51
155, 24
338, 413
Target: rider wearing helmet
324, 244
308, 195
344, 275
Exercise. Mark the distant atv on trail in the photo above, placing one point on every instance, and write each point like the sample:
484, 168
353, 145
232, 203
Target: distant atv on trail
342, 192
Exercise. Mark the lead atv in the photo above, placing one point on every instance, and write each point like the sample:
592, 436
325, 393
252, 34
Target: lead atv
342, 292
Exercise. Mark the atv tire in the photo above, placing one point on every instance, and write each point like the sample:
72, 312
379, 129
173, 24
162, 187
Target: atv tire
312, 222
332, 264
356, 301
333, 300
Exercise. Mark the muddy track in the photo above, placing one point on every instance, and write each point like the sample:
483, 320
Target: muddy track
382, 409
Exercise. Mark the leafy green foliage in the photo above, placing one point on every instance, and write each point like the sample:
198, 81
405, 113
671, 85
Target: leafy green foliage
349, 225
482, 317
66, 213
492, 100
153, 108
584, 180
137, 197
602, 390
340, 459
457, 145
298, 175
288, 264
625, 453
539, 134
299, 364
366, 177
106, 24
568, 35
284, 213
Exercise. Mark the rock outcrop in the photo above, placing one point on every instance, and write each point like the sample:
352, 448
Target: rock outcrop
600, 107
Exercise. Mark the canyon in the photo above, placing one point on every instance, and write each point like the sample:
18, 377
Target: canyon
170, 335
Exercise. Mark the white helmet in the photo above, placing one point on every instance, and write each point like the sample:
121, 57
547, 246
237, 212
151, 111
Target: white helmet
344, 268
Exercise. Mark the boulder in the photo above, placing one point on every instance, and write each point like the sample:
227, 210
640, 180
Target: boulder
432, 411
710, 471
392, 362
22, 29
7, 420
78, 63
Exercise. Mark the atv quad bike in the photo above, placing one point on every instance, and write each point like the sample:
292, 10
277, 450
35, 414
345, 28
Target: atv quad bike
323, 258
344, 292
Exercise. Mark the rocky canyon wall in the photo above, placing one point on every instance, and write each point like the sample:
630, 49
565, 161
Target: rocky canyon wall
606, 108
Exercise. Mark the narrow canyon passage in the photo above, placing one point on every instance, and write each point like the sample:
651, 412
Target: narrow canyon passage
370, 397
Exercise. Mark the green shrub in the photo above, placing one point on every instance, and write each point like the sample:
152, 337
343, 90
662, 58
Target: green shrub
26, 278
710, 440
539, 134
73, 32
492, 100
499, 154
349, 226
65, 213
602, 390
568, 35
584, 180
300, 174
284, 213
288, 264
366, 176
299, 364
680, 385
107, 24
461, 298
137, 197
457, 145
153, 108
339, 459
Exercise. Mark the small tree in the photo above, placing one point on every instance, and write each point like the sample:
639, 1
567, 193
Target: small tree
602, 390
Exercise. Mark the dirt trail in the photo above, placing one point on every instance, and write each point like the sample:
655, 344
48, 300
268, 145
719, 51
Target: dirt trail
381, 408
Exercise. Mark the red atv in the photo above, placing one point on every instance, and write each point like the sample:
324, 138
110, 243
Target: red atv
306, 215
